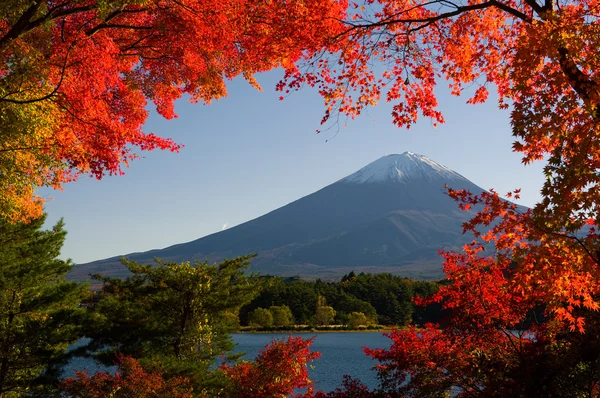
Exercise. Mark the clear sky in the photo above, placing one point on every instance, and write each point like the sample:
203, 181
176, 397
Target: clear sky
250, 153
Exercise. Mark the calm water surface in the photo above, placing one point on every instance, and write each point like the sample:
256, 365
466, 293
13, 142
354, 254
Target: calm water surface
341, 354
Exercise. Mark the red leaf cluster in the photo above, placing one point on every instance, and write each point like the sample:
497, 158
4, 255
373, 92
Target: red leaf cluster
131, 380
279, 369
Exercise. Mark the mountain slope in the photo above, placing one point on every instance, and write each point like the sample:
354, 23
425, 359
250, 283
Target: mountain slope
391, 215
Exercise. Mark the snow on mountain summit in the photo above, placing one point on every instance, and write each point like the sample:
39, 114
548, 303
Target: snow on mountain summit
401, 168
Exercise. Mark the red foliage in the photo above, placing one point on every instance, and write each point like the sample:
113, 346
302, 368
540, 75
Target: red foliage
76, 76
131, 380
351, 388
487, 345
279, 369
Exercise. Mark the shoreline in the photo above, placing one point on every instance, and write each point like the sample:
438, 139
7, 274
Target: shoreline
314, 330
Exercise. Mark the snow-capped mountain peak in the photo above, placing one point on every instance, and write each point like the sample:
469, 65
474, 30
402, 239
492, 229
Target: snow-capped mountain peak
401, 168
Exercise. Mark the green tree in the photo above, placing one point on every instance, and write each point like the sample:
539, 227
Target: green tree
324, 315
345, 304
298, 295
390, 296
261, 317
357, 319
39, 314
177, 317
282, 315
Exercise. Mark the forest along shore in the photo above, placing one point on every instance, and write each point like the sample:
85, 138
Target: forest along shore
358, 302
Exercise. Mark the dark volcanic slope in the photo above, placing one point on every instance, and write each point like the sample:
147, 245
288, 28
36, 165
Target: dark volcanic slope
391, 216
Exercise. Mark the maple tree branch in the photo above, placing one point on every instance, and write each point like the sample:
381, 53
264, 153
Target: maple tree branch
571, 237
186, 7
116, 26
586, 88
567, 236
116, 13
53, 92
459, 10
510, 339
461, 381
105, 24
136, 43
24, 24
21, 25
417, 6
75, 116
578, 241
25, 148
31, 101
536, 7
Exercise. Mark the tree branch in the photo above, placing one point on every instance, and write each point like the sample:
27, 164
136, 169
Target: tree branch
53, 92
571, 237
536, 7
105, 24
21, 25
459, 10
587, 89
25, 148
24, 24
116, 26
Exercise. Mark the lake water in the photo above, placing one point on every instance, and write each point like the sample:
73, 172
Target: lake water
341, 354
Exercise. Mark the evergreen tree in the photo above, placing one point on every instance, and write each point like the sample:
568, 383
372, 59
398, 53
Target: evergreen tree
298, 295
345, 304
390, 296
177, 317
39, 314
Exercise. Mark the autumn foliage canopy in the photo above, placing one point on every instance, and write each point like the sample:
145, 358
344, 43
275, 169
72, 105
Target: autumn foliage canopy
76, 76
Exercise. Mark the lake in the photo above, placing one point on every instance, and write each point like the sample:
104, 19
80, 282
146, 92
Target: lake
341, 354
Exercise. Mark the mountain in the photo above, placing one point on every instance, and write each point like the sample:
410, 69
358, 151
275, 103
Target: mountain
390, 216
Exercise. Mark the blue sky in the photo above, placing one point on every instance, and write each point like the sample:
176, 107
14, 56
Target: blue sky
250, 153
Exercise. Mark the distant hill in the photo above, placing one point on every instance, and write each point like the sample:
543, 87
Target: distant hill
390, 216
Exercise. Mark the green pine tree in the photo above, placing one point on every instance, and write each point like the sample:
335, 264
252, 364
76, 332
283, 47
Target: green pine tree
39, 314
177, 317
